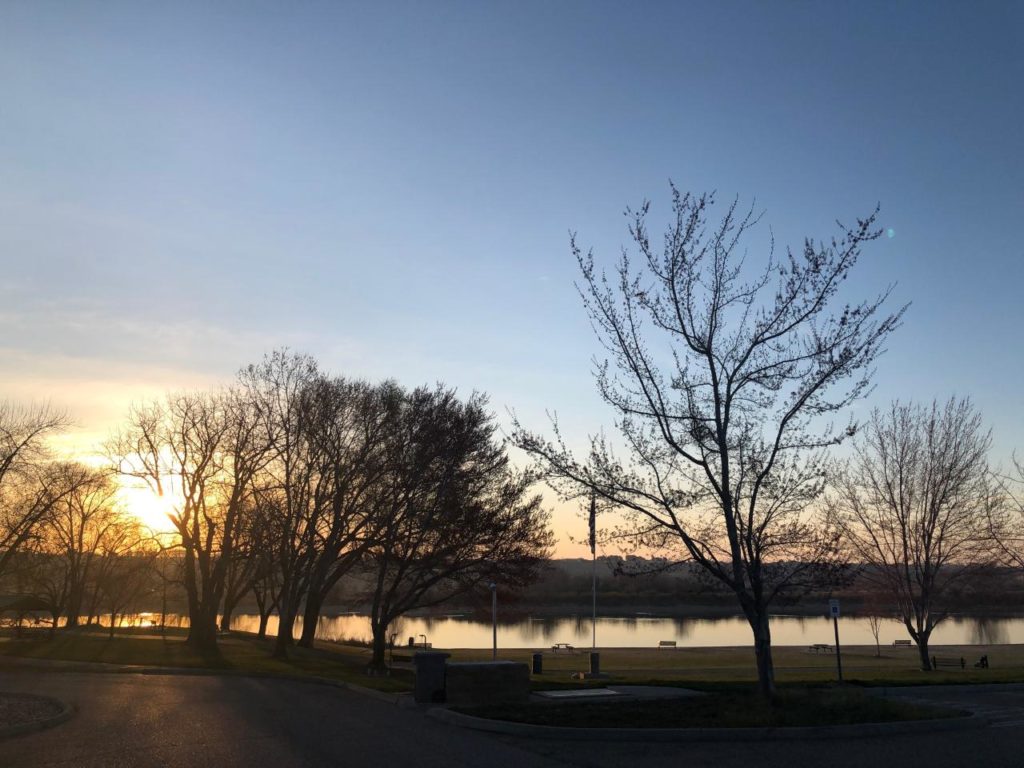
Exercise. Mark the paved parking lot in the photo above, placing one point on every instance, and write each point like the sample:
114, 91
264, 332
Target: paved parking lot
201, 722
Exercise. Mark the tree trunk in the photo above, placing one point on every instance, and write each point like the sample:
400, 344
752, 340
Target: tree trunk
264, 618
225, 617
310, 619
202, 630
380, 646
763, 652
922, 649
74, 609
285, 627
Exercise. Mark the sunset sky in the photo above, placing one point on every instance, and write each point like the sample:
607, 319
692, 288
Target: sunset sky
391, 187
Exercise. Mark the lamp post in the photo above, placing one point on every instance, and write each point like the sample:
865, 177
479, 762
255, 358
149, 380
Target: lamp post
494, 620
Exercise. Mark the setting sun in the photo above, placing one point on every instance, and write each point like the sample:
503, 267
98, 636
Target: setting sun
151, 509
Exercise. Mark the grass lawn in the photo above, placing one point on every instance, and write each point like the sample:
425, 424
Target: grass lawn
710, 669
798, 707
718, 668
238, 653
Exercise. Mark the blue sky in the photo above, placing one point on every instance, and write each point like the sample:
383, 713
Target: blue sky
390, 186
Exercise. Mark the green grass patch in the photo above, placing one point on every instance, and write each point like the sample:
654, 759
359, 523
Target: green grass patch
720, 668
795, 707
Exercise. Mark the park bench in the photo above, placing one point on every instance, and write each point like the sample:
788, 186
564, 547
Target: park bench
820, 648
666, 644
948, 661
563, 647
901, 643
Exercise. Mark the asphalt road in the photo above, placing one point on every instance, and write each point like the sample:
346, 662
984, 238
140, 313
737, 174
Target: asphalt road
212, 722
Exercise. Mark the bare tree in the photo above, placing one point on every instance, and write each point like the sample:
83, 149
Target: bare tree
126, 568
73, 535
914, 508
291, 484
29, 487
246, 558
206, 450
722, 384
352, 428
1006, 521
455, 515
266, 584
875, 625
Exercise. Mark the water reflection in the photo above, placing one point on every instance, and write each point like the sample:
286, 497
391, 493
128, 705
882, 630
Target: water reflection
683, 627
985, 631
638, 632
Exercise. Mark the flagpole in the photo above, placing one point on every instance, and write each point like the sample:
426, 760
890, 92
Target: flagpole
593, 621
593, 569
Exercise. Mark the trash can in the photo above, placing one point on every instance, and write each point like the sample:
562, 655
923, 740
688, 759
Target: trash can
429, 676
412, 641
538, 663
595, 663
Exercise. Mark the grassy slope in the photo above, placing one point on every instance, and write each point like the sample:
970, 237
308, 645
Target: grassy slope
238, 653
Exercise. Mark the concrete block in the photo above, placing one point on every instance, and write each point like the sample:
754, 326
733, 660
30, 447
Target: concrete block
469, 684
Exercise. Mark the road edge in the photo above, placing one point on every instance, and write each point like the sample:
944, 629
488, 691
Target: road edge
800, 733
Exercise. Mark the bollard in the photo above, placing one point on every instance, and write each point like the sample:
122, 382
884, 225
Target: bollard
595, 663
538, 663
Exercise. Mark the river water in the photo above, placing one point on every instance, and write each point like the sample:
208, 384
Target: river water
647, 631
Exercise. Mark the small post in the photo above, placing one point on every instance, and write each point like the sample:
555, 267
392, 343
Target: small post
494, 620
833, 606
593, 570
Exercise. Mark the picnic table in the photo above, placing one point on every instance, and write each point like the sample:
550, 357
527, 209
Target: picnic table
820, 648
563, 647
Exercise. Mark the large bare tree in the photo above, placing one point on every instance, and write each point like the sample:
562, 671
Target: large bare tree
291, 488
455, 514
205, 450
723, 378
327, 437
354, 424
914, 507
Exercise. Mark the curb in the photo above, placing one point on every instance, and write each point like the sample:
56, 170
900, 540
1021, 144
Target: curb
896, 690
801, 733
66, 713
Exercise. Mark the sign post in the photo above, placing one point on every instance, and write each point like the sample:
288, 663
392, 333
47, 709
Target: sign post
833, 609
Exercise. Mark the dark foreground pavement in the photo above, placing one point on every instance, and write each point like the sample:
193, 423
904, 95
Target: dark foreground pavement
212, 722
